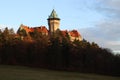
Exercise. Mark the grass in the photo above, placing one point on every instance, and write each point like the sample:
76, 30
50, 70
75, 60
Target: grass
26, 73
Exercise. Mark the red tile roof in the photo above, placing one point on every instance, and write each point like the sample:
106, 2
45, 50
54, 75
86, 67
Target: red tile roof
42, 29
74, 33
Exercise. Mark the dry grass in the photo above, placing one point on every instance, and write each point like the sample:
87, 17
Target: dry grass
25, 73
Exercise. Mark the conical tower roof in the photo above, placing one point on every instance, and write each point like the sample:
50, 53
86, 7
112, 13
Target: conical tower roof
53, 15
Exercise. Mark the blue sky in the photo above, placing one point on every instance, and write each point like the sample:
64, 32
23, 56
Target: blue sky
96, 20
74, 14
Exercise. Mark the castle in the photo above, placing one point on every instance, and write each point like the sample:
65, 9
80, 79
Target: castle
54, 26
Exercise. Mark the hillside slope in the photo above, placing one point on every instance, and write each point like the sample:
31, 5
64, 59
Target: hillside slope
26, 73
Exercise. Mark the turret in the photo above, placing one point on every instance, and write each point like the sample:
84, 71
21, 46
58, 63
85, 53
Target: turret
53, 22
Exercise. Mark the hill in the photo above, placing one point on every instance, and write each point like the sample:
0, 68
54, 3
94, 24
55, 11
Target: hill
58, 53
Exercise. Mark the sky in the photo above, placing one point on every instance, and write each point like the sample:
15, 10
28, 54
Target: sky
96, 20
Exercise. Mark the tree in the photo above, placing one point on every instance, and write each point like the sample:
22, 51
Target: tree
11, 31
94, 45
6, 34
1, 36
23, 33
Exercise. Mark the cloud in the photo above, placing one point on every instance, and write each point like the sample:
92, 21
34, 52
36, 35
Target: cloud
107, 31
114, 4
115, 43
105, 34
110, 29
110, 7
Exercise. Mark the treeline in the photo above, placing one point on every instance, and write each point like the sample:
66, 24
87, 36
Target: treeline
57, 52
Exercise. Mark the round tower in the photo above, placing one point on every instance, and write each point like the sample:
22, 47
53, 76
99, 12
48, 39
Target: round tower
53, 22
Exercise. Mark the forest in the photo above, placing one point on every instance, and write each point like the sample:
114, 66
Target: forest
56, 52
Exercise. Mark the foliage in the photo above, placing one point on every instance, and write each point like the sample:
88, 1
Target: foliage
57, 52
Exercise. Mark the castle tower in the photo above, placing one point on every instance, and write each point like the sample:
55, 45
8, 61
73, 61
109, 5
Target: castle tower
53, 22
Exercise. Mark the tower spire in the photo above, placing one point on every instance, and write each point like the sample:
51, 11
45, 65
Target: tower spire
53, 15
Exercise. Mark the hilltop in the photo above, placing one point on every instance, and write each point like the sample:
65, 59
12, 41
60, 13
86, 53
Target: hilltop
57, 52
55, 49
